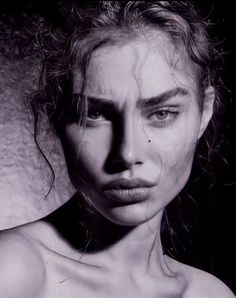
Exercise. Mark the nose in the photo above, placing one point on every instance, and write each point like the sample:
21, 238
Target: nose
129, 150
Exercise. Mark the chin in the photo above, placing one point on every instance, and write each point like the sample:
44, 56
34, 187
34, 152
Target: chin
131, 215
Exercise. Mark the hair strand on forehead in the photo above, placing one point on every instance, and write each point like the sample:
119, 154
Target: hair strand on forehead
67, 45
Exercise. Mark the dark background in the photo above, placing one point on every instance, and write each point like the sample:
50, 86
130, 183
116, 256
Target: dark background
220, 218
217, 212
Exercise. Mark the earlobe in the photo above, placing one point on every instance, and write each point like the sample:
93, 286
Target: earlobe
207, 109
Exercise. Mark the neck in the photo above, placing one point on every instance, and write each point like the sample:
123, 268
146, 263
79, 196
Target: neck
105, 244
137, 248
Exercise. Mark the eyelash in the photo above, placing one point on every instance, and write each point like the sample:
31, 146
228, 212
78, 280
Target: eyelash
171, 114
100, 113
102, 116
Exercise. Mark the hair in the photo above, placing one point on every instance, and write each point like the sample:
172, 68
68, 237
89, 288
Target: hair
69, 36
86, 27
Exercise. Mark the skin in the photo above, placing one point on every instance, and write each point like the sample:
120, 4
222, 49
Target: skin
125, 75
150, 146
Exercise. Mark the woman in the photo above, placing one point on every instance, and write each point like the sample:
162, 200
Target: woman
129, 90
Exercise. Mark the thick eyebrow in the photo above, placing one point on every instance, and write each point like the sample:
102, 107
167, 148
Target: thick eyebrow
163, 97
145, 102
101, 102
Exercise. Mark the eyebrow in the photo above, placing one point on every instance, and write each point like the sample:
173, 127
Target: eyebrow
145, 102
163, 97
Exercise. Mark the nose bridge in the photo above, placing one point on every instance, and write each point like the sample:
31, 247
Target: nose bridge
130, 150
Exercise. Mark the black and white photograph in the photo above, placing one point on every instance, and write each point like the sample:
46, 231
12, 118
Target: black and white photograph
117, 149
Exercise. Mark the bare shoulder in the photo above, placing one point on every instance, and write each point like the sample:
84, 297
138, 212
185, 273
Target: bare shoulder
200, 283
206, 285
22, 270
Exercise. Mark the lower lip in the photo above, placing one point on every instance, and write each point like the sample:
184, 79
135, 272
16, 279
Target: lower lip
128, 195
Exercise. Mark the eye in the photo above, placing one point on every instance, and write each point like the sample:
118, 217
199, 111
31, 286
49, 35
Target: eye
162, 114
162, 117
95, 114
98, 116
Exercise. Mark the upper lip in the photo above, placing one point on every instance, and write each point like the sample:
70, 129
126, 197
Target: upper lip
123, 183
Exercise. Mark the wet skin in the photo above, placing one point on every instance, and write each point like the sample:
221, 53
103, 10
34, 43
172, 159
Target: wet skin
135, 152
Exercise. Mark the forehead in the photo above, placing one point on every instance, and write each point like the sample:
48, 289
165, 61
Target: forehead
137, 68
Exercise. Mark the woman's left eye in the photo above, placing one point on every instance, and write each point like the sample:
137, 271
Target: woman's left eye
163, 116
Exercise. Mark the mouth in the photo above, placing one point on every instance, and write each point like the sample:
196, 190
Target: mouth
128, 191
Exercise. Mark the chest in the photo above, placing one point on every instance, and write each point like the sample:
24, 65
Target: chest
82, 283
69, 289
75, 279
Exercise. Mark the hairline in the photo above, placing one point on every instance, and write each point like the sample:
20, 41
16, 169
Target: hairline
118, 39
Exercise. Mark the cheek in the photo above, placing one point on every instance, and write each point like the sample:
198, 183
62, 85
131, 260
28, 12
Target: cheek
175, 153
181, 168
93, 149
178, 151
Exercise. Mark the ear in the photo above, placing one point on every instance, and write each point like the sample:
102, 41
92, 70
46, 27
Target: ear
207, 109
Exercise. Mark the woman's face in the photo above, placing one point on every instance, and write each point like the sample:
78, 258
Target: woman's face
135, 153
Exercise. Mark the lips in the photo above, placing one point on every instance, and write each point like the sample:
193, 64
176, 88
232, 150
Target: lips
130, 191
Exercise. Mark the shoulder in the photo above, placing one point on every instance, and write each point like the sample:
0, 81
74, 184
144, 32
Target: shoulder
200, 283
22, 270
206, 285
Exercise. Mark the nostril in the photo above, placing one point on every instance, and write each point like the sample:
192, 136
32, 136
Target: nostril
126, 150
125, 162
124, 154
118, 164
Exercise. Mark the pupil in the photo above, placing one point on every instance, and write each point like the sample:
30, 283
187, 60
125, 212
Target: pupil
162, 114
93, 114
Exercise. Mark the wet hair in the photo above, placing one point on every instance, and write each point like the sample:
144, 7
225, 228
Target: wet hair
86, 27
68, 36
68, 39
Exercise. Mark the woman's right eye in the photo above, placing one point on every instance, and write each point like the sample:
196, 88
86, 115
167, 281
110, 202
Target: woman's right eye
96, 114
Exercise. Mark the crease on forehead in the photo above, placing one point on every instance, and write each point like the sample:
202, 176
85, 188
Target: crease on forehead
157, 42
175, 54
